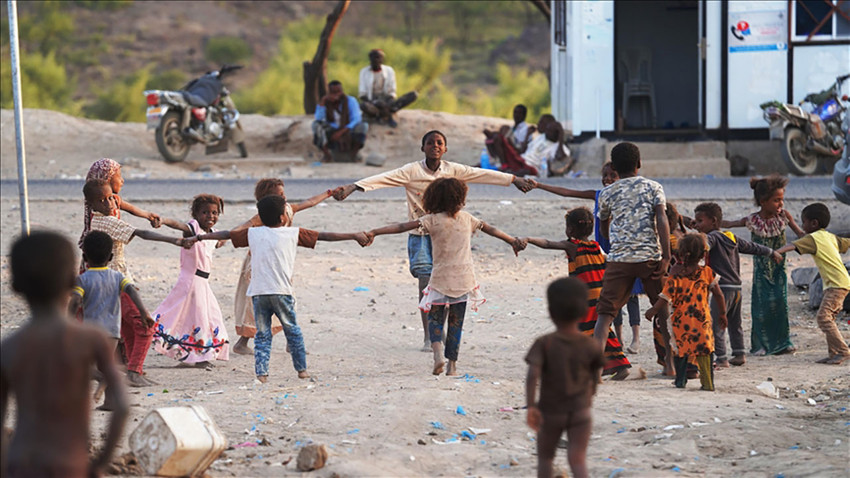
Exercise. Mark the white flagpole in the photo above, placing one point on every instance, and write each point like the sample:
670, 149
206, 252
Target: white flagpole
19, 120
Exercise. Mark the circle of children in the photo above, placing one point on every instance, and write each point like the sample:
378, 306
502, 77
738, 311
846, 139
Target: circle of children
642, 245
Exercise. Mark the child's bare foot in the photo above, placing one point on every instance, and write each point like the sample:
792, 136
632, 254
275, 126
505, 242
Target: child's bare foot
98, 392
241, 347
426, 346
669, 372
136, 380
837, 359
738, 360
620, 375
205, 365
438, 367
262, 378
303, 374
634, 347
722, 364
452, 368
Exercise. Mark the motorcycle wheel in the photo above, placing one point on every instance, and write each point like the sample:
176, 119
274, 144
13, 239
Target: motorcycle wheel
243, 151
169, 140
799, 160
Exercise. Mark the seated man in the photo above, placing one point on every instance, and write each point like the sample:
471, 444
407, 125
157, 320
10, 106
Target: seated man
339, 123
516, 137
378, 90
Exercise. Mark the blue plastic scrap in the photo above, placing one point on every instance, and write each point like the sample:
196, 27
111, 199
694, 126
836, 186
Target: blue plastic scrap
352, 432
361, 289
460, 411
438, 425
467, 435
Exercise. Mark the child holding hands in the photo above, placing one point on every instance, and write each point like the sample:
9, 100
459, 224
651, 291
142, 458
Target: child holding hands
273, 247
587, 263
190, 327
690, 323
826, 249
452, 282
724, 259
137, 334
771, 334
566, 364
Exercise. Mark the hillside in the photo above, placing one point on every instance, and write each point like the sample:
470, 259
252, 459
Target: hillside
102, 43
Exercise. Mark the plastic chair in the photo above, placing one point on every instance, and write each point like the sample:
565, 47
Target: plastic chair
636, 72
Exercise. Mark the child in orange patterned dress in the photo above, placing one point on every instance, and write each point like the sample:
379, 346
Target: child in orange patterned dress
690, 326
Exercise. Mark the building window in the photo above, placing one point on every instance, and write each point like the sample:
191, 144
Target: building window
816, 20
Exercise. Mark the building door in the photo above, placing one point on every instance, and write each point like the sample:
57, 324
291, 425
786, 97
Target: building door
658, 65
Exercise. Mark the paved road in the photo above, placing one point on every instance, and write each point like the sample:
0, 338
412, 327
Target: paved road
812, 188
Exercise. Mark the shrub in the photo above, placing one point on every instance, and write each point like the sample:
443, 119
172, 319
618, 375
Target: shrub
173, 79
122, 100
226, 49
44, 83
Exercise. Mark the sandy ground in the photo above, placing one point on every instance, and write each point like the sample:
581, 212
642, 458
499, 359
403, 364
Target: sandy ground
372, 399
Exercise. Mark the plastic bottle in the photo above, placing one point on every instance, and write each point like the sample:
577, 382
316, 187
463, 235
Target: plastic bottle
485, 159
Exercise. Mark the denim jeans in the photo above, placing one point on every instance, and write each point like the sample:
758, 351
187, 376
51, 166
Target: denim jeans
283, 306
419, 254
436, 320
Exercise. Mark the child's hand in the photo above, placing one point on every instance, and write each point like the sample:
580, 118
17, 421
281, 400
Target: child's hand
534, 418
777, 257
519, 244
155, 220
532, 183
147, 320
723, 321
187, 242
363, 238
650, 314
220, 243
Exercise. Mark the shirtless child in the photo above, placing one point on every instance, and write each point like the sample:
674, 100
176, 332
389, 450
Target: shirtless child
51, 436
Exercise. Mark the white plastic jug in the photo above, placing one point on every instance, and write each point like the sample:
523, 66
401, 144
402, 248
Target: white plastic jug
177, 441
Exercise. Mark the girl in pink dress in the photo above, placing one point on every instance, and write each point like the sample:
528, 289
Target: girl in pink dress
452, 282
189, 325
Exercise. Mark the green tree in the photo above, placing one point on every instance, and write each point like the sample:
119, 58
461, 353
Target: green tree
122, 100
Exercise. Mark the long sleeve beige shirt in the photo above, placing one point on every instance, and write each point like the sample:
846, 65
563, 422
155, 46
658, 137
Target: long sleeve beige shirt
415, 178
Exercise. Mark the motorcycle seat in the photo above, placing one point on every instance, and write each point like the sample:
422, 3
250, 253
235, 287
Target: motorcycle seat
194, 99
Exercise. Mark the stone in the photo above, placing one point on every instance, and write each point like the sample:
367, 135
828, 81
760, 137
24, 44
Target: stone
312, 457
803, 276
375, 159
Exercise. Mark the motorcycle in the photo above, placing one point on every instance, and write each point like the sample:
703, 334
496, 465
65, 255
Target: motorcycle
200, 112
811, 131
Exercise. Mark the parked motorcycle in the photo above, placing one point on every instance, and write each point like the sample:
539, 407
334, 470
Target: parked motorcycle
201, 112
811, 131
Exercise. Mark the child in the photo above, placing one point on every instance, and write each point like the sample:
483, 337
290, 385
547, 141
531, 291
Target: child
724, 260
566, 363
243, 310
414, 178
545, 148
770, 334
46, 366
110, 171
189, 325
136, 334
452, 282
515, 138
587, 263
98, 291
632, 209
609, 176
273, 248
826, 247
687, 292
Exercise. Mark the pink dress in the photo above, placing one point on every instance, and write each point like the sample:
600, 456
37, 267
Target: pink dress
189, 326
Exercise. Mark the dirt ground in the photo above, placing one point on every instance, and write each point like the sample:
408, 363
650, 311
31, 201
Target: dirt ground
374, 403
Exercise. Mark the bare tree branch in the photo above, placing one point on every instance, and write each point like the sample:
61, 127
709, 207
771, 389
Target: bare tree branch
316, 71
